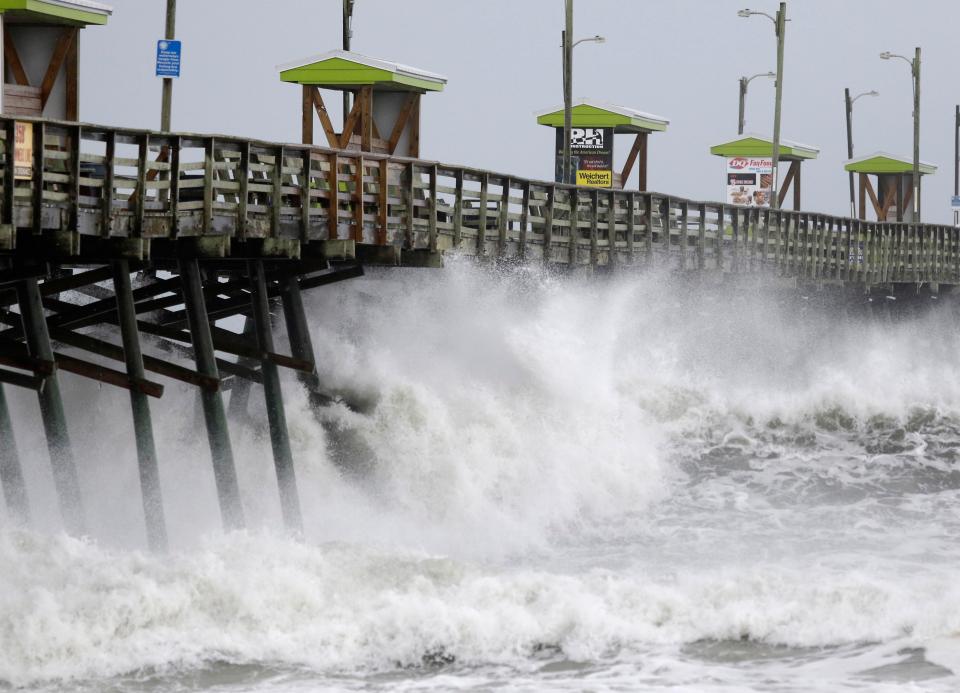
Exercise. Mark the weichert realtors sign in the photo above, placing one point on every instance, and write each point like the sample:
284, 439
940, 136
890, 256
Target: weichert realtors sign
591, 155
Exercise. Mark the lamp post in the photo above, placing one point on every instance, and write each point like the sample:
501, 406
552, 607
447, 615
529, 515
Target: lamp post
347, 35
849, 108
780, 27
744, 83
567, 46
915, 71
166, 101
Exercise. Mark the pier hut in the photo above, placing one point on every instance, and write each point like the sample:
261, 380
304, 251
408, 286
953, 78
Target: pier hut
892, 197
385, 117
750, 165
594, 127
41, 54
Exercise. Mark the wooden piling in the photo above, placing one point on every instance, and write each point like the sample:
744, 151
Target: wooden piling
156, 527
273, 395
51, 409
224, 471
11, 473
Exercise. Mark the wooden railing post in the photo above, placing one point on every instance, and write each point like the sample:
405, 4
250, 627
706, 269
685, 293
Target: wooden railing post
631, 223
503, 219
107, 191
174, 197
140, 201
358, 194
482, 216
333, 199
383, 203
432, 242
458, 209
39, 157
548, 223
208, 163
524, 220
305, 165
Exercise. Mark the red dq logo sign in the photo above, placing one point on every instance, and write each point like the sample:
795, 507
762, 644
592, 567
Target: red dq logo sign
738, 163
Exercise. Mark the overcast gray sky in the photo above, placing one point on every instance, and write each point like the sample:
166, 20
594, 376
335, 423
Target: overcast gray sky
677, 58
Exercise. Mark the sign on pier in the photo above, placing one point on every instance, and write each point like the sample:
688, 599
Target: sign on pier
749, 180
591, 156
168, 58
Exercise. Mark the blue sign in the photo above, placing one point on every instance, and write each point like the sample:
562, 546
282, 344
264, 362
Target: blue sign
955, 202
168, 58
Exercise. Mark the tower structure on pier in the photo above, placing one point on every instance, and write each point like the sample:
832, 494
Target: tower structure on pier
385, 118
891, 199
41, 54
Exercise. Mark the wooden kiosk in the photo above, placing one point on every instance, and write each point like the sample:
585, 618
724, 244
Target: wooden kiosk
41, 48
617, 120
759, 146
385, 117
891, 199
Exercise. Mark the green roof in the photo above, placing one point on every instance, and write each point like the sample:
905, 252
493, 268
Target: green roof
73, 12
758, 145
593, 114
348, 70
881, 162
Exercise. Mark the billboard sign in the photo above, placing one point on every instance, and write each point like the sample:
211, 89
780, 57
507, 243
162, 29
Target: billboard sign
591, 156
749, 180
22, 151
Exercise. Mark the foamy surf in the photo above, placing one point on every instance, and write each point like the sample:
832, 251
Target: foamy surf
619, 484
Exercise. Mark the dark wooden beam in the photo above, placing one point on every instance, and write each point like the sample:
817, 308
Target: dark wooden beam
56, 62
12, 60
402, 118
325, 122
631, 159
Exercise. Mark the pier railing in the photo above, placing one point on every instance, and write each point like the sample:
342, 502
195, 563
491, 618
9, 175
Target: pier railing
133, 186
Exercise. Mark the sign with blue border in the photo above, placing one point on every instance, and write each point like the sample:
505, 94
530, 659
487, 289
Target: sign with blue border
168, 58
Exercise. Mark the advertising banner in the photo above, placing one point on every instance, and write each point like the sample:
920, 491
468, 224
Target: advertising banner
591, 155
22, 151
749, 181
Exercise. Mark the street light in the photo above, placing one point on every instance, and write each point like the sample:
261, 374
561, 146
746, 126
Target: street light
915, 71
744, 83
849, 103
780, 28
567, 47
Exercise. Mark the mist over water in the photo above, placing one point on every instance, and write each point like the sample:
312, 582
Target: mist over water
529, 482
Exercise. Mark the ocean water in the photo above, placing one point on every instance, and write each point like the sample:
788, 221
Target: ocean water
528, 483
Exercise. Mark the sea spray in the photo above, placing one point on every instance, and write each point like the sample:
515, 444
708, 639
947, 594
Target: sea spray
637, 478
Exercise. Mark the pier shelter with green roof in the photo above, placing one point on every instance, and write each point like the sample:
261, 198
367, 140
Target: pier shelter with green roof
41, 55
892, 197
594, 125
750, 157
385, 117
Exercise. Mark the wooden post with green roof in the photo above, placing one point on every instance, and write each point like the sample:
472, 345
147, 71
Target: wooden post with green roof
385, 117
594, 115
752, 146
893, 193
41, 48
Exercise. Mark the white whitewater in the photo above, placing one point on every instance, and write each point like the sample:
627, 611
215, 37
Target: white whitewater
628, 484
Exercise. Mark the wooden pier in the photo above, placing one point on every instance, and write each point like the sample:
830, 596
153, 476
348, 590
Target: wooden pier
214, 226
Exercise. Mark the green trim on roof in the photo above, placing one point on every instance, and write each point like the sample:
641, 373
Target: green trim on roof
587, 116
887, 164
754, 146
339, 73
48, 9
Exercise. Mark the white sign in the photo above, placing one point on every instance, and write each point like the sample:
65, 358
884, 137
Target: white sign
749, 180
955, 202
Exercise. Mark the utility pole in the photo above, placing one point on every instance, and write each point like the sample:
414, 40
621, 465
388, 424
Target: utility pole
781, 23
347, 34
916, 136
956, 164
849, 107
169, 35
743, 98
567, 90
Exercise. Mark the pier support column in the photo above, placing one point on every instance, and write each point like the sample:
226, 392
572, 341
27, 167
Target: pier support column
298, 332
276, 416
240, 392
11, 474
224, 471
51, 409
139, 404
